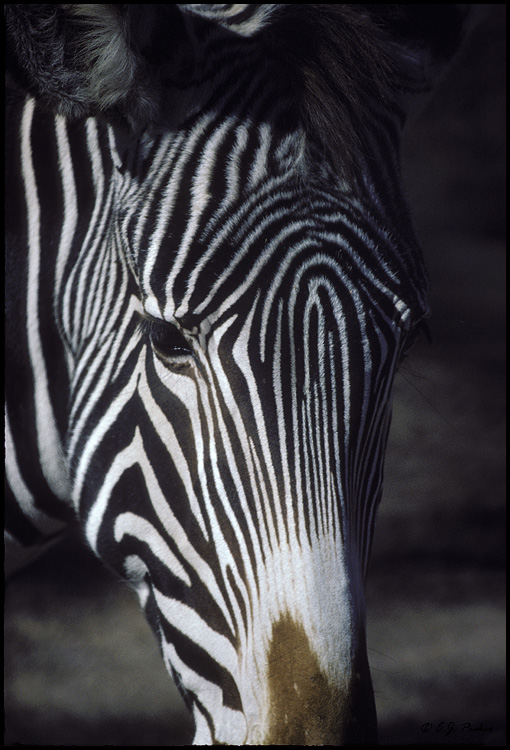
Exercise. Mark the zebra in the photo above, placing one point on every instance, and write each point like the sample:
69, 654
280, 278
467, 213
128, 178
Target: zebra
212, 278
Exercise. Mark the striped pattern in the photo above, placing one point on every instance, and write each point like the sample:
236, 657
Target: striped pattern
239, 18
210, 331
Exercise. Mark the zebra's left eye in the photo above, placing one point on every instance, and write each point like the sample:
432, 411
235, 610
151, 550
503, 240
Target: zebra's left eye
166, 339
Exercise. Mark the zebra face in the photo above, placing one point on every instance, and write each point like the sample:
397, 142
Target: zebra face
225, 291
236, 468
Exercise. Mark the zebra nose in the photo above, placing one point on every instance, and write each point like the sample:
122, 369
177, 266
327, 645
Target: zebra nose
306, 707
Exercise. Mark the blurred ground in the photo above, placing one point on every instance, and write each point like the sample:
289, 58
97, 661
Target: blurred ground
82, 666
436, 584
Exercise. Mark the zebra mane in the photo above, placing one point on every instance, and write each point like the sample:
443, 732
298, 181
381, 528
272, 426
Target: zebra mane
349, 63
337, 64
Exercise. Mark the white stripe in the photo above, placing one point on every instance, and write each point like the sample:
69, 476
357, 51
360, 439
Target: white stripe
26, 501
49, 445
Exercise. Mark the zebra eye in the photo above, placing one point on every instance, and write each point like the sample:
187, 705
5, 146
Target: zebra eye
166, 339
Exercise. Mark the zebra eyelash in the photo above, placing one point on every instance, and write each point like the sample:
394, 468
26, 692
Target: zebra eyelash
166, 339
420, 330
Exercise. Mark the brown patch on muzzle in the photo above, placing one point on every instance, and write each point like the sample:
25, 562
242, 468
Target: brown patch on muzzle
305, 708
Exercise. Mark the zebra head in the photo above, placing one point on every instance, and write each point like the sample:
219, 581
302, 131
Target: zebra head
235, 279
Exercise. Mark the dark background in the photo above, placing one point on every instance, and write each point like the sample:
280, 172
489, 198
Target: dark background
82, 666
